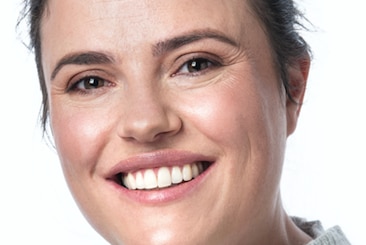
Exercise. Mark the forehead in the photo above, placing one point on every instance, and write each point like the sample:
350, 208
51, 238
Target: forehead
135, 16
70, 26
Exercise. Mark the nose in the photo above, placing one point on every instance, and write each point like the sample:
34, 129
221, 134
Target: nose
148, 117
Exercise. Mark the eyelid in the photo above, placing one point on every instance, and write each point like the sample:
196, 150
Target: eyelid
97, 74
215, 60
74, 86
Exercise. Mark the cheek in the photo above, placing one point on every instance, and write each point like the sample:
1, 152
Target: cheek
245, 117
79, 136
229, 112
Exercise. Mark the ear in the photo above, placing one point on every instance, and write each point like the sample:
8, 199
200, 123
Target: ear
298, 75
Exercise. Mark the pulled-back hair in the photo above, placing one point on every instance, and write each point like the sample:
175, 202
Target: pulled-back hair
281, 22
280, 19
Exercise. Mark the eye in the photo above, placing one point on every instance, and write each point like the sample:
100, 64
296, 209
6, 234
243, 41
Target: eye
196, 66
89, 83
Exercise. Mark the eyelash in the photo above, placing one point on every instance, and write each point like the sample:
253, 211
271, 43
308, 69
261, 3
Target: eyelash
196, 63
200, 64
94, 84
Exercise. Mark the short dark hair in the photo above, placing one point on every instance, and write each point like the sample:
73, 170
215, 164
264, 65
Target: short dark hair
281, 21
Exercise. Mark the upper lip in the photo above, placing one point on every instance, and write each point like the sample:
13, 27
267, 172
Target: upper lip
149, 160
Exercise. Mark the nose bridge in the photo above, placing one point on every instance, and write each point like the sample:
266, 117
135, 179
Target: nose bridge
146, 114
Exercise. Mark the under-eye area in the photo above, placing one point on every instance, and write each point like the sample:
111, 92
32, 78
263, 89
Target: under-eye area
162, 177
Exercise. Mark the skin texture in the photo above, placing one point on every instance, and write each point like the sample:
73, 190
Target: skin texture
233, 111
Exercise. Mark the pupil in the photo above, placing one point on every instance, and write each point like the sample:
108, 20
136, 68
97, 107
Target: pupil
197, 65
93, 83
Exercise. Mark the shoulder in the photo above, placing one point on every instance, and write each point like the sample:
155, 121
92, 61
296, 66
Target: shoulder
332, 236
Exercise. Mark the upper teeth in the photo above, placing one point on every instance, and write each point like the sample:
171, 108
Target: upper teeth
161, 177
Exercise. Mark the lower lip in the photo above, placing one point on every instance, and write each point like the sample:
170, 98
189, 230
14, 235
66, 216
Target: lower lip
164, 195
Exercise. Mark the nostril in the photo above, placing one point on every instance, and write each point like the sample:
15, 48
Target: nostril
145, 122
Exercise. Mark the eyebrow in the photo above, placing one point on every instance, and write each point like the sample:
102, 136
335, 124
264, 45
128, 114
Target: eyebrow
82, 58
159, 49
168, 45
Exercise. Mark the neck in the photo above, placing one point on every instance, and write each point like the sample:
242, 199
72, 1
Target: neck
285, 231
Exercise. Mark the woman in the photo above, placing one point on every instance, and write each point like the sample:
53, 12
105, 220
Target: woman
170, 118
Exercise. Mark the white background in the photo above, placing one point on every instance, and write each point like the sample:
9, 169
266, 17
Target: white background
324, 171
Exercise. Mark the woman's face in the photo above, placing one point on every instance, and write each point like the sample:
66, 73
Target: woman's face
168, 118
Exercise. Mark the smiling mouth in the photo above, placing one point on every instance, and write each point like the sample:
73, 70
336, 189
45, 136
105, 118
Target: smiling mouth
162, 177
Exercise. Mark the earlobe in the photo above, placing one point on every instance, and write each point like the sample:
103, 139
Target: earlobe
298, 75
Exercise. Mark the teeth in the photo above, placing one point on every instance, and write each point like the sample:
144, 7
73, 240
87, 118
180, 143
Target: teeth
195, 171
129, 181
140, 183
176, 175
150, 179
163, 177
187, 173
